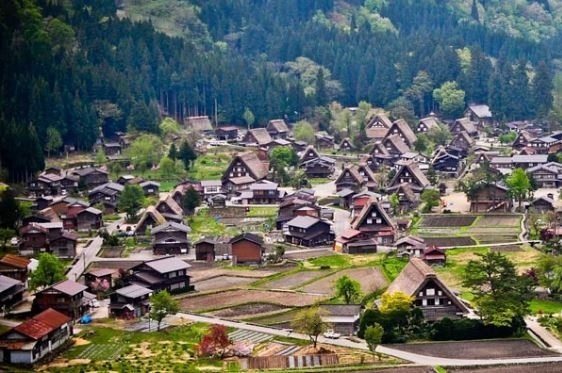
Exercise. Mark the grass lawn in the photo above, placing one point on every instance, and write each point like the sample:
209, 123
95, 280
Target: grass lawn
392, 266
262, 212
168, 185
109, 349
319, 180
332, 261
209, 166
204, 225
546, 306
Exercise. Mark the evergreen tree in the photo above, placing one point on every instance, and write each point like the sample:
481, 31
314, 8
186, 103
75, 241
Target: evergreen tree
186, 154
173, 152
518, 94
10, 211
478, 77
321, 95
542, 90
474, 11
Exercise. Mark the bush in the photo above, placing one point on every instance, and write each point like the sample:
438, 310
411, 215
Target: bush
466, 329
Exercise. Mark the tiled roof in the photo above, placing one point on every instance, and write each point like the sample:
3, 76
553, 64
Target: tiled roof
42, 324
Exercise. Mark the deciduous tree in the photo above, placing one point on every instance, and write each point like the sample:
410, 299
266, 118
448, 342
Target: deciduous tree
161, 305
450, 99
519, 185
430, 197
373, 337
131, 200
348, 289
214, 342
54, 140
303, 131
309, 322
49, 270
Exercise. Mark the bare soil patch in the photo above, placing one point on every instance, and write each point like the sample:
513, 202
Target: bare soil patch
204, 273
222, 282
447, 220
248, 309
232, 298
294, 280
523, 368
509, 348
450, 241
370, 279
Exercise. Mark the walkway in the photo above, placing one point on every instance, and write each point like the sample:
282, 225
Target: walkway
553, 343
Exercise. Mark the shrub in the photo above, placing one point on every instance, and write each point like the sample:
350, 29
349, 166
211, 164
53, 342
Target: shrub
466, 329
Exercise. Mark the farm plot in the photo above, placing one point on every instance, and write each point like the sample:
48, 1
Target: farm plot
97, 351
293, 280
493, 349
494, 221
447, 220
222, 282
247, 310
232, 298
370, 279
450, 241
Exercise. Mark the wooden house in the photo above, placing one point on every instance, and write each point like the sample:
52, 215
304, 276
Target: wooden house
308, 231
130, 302
374, 222
150, 219
248, 165
309, 154
346, 146
150, 188
169, 206
321, 167
167, 273
211, 187
434, 255
542, 205
323, 140
257, 136
431, 295
291, 207
106, 194
446, 163
170, 239
411, 174
15, 267
395, 146
547, 175
247, 248
490, 198
66, 297
11, 291
349, 179
479, 114
264, 192
527, 161
36, 338
410, 246
64, 245
377, 127
89, 219
522, 140
542, 144
210, 248
466, 125
277, 129
368, 177
350, 242
427, 124
401, 128
379, 156
227, 133
111, 148
34, 239
90, 177
407, 198
45, 184
199, 124
342, 318
463, 142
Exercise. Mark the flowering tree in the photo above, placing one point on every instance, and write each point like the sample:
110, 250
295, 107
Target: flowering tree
215, 342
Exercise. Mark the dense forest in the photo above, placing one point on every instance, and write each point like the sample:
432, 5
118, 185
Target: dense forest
69, 68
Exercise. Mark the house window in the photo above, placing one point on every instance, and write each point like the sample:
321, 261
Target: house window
439, 292
379, 221
430, 292
431, 302
172, 275
369, 221
424, 302
436, 301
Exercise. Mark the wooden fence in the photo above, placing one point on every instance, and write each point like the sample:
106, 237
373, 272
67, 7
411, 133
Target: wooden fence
285, 362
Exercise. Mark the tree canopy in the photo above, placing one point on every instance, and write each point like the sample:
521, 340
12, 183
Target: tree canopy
161, 305
309, 322
348, 289
49, 270
131, 200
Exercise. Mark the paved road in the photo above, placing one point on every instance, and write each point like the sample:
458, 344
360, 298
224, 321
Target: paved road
554, 344
432, 360
88, 254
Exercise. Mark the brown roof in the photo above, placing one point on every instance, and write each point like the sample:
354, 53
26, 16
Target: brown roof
172, 204
278, 125
405, 188
379, 118
430, 122
201, 123
15, 261
367, 170
415, 171
49, 214
465, 136
260, 135
376, 132
404, 128
156, 215
398, 143
42, 324
309, 148
69, 287
466, 125
100, 272
373, 204
251, 160
353, 171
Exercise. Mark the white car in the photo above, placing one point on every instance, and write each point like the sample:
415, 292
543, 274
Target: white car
332, 335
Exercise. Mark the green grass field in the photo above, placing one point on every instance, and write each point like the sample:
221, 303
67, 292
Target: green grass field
332, 261
209, 166
546, 306
204, 225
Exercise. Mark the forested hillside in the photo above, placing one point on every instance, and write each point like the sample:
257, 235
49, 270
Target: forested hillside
68, 68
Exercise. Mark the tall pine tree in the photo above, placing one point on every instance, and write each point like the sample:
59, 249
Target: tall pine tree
542, 90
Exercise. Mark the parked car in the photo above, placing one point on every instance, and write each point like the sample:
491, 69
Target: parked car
332, 335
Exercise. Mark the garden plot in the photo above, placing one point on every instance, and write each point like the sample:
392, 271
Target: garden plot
230, 298
447, 220
449, 241
222, 282
495, 221
492, 349
246, 310
294, 280
249, 336
370, 279
101, 351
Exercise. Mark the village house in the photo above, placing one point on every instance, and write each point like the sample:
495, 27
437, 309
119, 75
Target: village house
168, 206
227, 133
89, 219
45, 184
401, 128
542, 144
277, 129
408, 200
99, 280
542, 205
410, 246
263, 192
343, 318
322, 167
433, 255
64, 245
199, 124
15, 267
36, 338
547, 175
350, 242
359, 200
129, 179
377, 127
106, 195
378, 157
446, 163
411, 174
67, 297
431, 295
490, 198
295, 206
463, 142
90, 177
309, 154
479, 114
323, 140
247, 248
466, 125
308, 231
257, 137
427, 124
170, 239
211, 188
349, 179
374, 222
167, 273
111, 148
11, 291
130, 302
346, 145
150, 219
394, 146
211, 248
522, 140
36, 237
244, 165
150, 188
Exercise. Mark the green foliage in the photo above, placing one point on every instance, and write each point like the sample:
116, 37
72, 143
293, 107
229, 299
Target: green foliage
100, 157
430, 198
161, 305
450, 99
167, 167
145, 151
507, 138
519, 185
501, 295
373, 336
467, 329
309, 322
169, 127
10, 209
550, 273
143, 117
5, 235
54, 140
249, 117
49, 271
303, 131
397, 302
187, 155
394, 203
348, 289
131, 200
439, 135
191, 200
